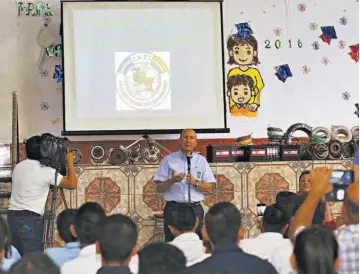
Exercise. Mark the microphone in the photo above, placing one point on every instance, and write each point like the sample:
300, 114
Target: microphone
188, 158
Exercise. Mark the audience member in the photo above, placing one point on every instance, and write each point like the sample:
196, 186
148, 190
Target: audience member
315, 251
182, 224
87, 219
319, 215
223, 229
11, 255
161, 258
286, 200
117, 243
71, 250
35, 263
275, 223
348, 235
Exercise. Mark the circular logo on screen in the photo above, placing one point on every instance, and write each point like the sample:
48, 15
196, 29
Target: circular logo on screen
143, 80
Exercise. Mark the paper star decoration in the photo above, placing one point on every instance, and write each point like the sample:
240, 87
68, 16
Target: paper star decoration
306, 69
328, 33
244, 31
354, 54
343, 21
58, 74
283, 72
313, 26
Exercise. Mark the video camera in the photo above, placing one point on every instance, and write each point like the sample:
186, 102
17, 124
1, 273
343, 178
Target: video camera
53, 150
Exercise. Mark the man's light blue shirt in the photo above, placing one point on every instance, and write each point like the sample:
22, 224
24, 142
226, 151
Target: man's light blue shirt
61, 255
8, 262
177, 162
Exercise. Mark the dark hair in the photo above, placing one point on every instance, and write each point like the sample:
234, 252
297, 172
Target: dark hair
214, 271
117, 238
286, 200
5, 237
275, 219
234, 40
319, 214
32, 148
63, 222
305, 172
237, 80
35, 263
222, 223
86, 220
161, 258
316, 250
183, 217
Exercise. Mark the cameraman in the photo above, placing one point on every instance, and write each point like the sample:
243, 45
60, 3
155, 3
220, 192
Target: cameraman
31, 182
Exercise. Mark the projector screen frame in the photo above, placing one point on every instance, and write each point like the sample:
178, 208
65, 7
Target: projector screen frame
145, 131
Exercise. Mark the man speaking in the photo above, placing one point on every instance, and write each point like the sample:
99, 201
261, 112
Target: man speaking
31, 182
182, 173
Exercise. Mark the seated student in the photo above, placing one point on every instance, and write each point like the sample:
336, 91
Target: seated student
71, 250
11, 254
35, 263
85, 226
316, 251
275, 223
183, 226
161, 258
117, 240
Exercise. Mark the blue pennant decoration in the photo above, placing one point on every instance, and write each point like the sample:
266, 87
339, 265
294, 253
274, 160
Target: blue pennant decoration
244, 31
59, 73
357, 110
329, 32
283, 72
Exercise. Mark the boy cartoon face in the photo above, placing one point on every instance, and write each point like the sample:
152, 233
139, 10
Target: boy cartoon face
243, 54
240, 94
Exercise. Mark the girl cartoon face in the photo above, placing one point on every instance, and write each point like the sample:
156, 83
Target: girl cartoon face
242, 52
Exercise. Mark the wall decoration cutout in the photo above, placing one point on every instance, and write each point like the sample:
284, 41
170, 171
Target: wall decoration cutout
34, 9
313, 26
47, 21
44, 106
306, 69
354, 54
328, 33
43, 73
58, 74
315, 45
278, 44
302, 7
277, 31
244, 82
343, 21
341, 44
56, 121
357, 110
54, 51
283, 72
325, 61
346, 95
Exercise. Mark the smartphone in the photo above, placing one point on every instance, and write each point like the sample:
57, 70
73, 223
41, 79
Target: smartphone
340, 179
260, 209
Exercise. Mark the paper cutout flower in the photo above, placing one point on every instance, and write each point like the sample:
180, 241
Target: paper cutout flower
283, 72
43, 73
56, 121
341, 44
59, 73
44, 106
354, 54
277, 31
315, 45
325, 61
302, 7
313, 26
244, 30
346, 95
343, 21
306, 69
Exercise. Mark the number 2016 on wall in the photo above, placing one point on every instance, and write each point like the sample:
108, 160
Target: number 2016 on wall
278, 44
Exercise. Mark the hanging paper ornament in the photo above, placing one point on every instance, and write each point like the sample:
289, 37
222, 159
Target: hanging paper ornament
328, 33
244, 31
354, 54
283, 72
58, 74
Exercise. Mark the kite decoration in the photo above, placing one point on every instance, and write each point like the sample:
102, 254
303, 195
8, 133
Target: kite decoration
244, 31
354, 54
328, 33
283, 72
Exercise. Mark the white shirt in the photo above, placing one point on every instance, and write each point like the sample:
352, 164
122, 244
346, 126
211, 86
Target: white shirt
280, 258
265, 244
191, 245
88, 262
30, 186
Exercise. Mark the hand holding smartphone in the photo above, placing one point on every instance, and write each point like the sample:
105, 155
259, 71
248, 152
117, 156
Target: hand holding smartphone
340, 179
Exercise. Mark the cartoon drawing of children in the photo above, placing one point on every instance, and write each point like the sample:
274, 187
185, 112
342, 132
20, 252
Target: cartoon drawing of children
241, 91
244, 53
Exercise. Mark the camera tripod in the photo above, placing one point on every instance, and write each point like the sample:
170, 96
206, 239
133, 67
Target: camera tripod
50, 214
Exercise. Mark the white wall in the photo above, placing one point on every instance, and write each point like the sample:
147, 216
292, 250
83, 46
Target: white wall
314, 98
